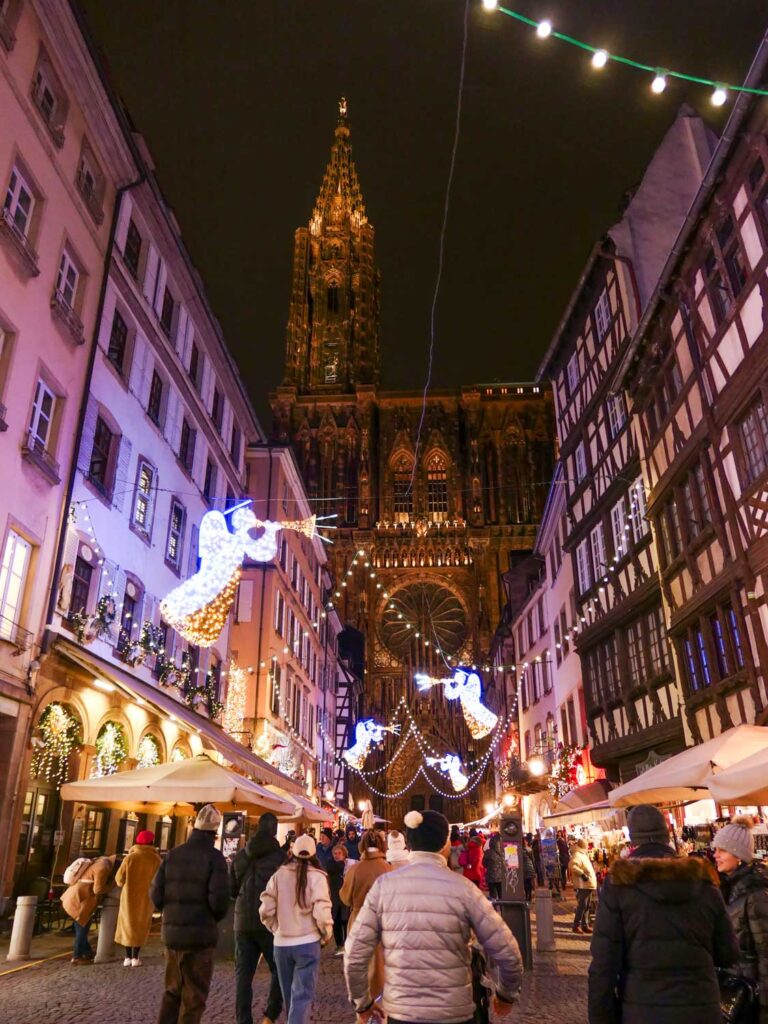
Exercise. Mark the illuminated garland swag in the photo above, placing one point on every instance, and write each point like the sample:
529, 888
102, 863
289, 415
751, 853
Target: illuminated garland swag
60, 735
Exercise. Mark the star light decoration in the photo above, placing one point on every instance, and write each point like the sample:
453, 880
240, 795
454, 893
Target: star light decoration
367, 733
198, 608
466, 687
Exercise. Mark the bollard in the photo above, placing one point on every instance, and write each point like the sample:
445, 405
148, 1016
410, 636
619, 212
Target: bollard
23, 926
545, 923
105, 945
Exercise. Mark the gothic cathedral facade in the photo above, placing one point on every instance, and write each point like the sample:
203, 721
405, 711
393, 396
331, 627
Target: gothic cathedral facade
428, 519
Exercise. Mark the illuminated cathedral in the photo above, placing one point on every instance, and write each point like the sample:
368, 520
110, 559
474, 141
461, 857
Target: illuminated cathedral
425, 527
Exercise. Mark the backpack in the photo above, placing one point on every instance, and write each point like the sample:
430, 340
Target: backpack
76, 870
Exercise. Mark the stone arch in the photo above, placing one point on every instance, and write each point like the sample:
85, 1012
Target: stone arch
118, 716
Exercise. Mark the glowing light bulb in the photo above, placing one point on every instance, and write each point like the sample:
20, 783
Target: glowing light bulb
719, 96
544, 29
599, 59
490, 5
659, 84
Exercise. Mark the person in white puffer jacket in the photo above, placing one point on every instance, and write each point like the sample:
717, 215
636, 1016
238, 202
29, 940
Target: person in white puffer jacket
584, 882
424, 915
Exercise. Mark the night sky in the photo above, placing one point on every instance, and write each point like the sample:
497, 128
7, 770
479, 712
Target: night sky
237, 100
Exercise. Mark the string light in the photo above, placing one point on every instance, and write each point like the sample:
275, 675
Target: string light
147, 752
659, 84
111, 750
59, 735
234, 708
601, 57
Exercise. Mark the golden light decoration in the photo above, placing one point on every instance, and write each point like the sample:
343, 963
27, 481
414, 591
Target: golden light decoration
198, 608
148, 752
466, 687
451, 765
111, 750
234, 708
59, 735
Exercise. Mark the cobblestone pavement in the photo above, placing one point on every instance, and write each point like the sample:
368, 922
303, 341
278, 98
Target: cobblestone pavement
55, 992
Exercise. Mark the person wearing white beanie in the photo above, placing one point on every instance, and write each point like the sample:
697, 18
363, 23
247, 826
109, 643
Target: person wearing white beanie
745, 888
397, 849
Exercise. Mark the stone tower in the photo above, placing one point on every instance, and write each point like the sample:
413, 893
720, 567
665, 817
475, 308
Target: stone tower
333, 323
427, 520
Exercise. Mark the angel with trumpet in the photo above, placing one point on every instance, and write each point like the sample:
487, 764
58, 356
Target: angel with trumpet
367, 733
466, 687
451, 765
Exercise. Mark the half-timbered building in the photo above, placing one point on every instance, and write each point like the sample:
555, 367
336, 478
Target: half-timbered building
698, 379
619, 629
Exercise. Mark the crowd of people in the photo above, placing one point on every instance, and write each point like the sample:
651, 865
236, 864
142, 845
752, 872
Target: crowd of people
675, 936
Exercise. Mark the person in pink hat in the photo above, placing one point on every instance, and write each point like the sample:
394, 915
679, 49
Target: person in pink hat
135, 875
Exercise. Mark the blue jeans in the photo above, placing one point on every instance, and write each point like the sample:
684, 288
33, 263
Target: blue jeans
297, 968
82, 945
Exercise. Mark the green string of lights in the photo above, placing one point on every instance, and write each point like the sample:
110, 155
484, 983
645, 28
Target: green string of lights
601, 57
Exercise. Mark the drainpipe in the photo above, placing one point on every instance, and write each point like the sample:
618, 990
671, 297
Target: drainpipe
120, 194
261, 600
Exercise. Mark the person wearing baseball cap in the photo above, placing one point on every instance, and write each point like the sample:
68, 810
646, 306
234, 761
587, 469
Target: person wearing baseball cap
661, 932
191, 888
424, 915
296, 908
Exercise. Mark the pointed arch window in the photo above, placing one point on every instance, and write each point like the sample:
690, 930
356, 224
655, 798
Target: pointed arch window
403, 491
333, 298
437, 488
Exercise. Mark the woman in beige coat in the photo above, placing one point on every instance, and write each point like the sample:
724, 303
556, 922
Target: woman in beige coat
135, 915
357, 885
80, 899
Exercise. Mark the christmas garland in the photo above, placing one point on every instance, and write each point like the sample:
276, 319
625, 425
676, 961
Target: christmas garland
59, 735
111, 749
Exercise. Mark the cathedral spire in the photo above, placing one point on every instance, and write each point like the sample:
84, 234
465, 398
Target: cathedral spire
333, 322
340, 195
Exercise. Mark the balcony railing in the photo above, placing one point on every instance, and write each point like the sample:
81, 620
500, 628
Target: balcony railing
68, 318
11, 632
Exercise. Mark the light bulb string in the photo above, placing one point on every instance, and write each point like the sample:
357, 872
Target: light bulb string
630, 62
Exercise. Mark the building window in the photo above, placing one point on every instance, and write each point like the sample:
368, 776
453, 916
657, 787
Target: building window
217, 409
187, 445
90, 181
617, 415
234, 445
41, 420
81, 586
437, 489
582, 567
733, 258
670, 531
572, 730
655, 623
753, 430
118, 342
638, 510
142, 505
618, 533
155, 398
194, 365
333, 299
573, 374
166, 316
403, 492
581, 462
67, 279
209, 485
98, 470
13, 577
635, 652
717, 289
603, 314
19, 202
128, 614
176, 523
597, 544
132, 249
49, 97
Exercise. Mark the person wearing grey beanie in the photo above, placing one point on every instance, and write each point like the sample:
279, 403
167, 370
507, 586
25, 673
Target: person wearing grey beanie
745, 887
661, 931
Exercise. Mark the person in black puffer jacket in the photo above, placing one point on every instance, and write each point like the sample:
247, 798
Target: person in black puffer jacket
251, 869
746, 894
191, 888
493, 862
660, 932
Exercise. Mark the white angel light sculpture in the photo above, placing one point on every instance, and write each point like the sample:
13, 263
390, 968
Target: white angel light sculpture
466, 687
198, 608
451, 765
367, 733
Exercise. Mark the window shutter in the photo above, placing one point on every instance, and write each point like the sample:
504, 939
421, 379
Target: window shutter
192, 557
120, 581
181, 331
172, 419
138, 360
245, 601
150, 275
126, 207
122, 483
86, 442
153, 492
107, 581
162, 277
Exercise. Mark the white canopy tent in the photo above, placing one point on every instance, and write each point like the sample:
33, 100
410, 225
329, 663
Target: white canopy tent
303, 808
174, 787
586, 805
686, 776
744, 783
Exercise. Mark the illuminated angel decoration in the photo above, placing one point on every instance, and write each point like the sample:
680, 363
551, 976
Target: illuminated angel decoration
451, 765
198, 608
466, 687
367, 733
